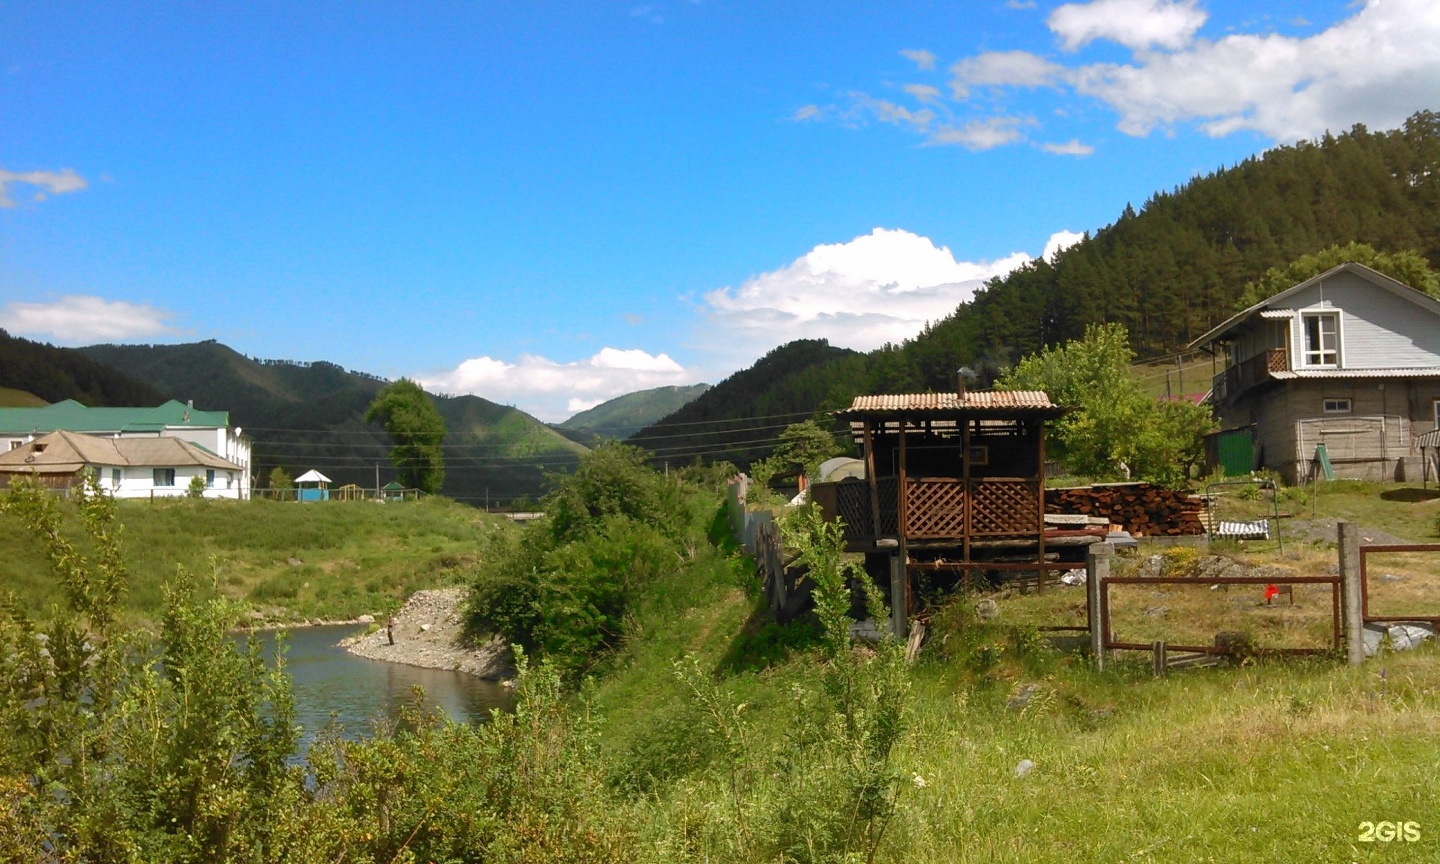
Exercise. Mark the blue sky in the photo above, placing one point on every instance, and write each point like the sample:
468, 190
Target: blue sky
550, 204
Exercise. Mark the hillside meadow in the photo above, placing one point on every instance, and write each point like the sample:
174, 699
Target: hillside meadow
287, 561
665, 717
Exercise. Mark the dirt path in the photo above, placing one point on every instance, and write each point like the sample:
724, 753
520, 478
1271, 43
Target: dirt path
430, 633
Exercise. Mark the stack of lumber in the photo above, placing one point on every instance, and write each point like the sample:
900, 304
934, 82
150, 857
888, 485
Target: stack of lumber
1143, 509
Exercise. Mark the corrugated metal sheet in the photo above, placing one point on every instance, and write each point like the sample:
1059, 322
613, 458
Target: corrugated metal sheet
1277, 313
984, 400
1429, 439
72, 416
1431, 372
69, 451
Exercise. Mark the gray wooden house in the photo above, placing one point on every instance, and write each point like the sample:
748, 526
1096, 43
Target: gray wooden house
1349, 359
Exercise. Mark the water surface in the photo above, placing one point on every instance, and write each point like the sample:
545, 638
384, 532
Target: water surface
328, 681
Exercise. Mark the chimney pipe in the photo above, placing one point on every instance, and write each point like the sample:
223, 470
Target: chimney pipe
960, 383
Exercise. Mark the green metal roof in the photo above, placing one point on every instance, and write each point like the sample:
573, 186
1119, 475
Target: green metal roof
71, 416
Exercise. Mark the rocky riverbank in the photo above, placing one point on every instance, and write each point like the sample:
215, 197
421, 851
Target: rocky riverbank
430, 633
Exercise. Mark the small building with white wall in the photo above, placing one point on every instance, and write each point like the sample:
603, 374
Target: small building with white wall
210, 430
152, 467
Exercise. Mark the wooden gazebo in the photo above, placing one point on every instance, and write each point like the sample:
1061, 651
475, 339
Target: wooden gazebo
954, 482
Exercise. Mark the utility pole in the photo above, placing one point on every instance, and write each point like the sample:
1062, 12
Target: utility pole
377, 479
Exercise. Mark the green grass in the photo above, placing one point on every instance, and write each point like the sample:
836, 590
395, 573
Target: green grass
288, 561
12, 398
1273, 760
1194, 375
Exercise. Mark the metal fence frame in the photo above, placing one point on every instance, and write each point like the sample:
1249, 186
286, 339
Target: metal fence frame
1365, 551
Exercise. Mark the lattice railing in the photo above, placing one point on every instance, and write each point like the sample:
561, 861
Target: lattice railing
889, 505
1004, 507
852, 501
935, 508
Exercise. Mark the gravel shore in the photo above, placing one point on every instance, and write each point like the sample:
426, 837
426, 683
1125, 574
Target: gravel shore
430, 633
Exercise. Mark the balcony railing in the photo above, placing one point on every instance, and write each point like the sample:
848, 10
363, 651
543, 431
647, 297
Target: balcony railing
938, 508
1234, 381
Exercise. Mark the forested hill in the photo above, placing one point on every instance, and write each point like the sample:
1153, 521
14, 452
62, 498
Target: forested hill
1168, 272
625, 415
56, 374
311, 415
1176, 268
739, 418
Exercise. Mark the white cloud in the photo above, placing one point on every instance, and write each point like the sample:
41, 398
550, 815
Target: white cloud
1003, 69
864, 106
981, 134
925, 93
1073, 147
551, 390
52, 182
923, 60
1136, 24
1376, 67
575, 406
806, 112
82, 319
1060, 241
877, 288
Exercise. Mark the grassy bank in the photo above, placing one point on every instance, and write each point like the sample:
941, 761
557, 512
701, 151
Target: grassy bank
703, 731
287, 561
1284, 761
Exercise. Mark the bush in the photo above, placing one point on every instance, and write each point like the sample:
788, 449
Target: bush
564, 586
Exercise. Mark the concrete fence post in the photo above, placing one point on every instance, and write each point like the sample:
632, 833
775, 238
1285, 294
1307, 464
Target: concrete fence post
1352, 599
899, 615
1097, 569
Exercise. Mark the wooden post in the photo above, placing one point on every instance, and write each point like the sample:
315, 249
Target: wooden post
1039, 430
874, 481
903, 524
1157, 658
1352, 612
967, 494
1097, 569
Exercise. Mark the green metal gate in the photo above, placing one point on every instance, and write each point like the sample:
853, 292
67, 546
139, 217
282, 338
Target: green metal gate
1235, 451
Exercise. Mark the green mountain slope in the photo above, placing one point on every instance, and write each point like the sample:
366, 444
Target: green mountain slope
1168, 272
739, 418
12, 398
311, 415
55, 374
625, 415
1177, 267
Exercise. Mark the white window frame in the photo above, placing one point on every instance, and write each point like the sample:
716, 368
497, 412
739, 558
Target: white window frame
167, 474
1321, 357
209, 478
1336, 406
117, 476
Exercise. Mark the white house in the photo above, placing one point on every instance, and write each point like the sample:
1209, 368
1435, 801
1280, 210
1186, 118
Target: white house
210, 430
125, 467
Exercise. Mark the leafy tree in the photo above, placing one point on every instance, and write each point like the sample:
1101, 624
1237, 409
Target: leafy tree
1409, 268
196, 489
804, 446
412, 422
281, 482
1117, 429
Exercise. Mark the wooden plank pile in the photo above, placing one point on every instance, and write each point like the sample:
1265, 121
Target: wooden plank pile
1143, 509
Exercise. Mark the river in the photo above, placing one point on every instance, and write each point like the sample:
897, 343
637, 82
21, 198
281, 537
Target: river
328, 681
